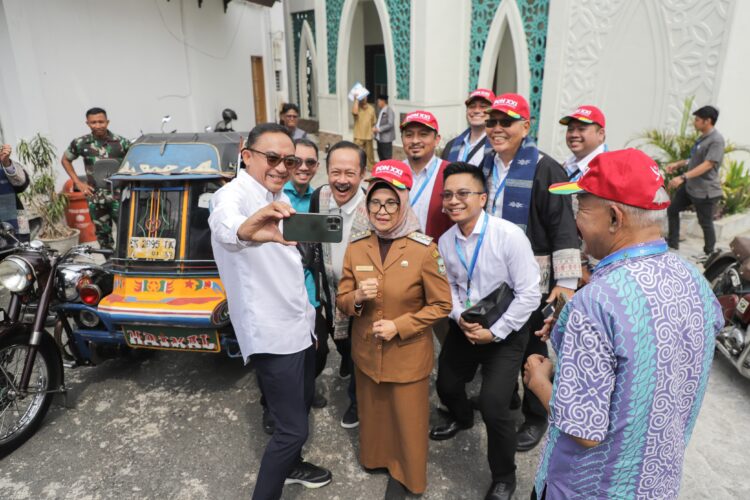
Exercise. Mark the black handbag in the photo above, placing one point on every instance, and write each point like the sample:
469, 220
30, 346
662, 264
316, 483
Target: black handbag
488, 310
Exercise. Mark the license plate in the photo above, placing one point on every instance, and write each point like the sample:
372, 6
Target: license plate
152, 248
172, 339
742, 305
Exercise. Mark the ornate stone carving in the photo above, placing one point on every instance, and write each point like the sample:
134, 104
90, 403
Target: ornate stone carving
297, 19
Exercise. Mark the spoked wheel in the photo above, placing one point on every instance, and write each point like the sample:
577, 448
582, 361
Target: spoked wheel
21, 413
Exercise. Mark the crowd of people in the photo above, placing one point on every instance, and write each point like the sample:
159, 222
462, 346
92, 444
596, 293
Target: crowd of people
492, 249
429, 246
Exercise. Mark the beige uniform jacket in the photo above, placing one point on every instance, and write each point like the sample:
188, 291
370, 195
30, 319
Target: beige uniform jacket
413, 292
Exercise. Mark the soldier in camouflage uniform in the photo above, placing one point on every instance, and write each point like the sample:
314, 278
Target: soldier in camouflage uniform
99, 144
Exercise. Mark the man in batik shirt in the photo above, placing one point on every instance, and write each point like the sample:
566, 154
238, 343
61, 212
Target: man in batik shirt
99, 144
634, 346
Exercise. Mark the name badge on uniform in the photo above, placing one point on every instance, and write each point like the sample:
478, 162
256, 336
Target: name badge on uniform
364, 268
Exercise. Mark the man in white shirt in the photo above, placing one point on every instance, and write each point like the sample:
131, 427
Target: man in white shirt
481, 253
585, 138
346, 165
420, 136
268, 304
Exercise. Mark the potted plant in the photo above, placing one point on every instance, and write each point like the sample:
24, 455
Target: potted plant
41, 197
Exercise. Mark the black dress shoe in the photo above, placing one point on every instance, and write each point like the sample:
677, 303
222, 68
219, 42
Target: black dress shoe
447, 430
269, 426
500, 491
530, 434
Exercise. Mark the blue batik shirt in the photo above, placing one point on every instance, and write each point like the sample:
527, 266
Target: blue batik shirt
634, 351
302, 204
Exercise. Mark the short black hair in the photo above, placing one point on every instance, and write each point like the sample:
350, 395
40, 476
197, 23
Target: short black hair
707, 113
289, 106
383, 97
265, 128
308, 143
95, 111
348, 145
462, 167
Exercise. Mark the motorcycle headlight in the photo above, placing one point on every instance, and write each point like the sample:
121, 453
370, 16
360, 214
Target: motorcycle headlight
15, 274
68, 283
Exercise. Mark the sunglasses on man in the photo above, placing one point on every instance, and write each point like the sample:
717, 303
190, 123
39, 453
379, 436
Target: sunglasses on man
503, 122
273, 159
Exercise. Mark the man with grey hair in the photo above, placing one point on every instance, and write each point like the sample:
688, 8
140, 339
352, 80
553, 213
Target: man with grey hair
634, 346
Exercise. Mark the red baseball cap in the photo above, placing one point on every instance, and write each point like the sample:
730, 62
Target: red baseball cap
626, 176
485, 94
585, 114
513, 105
423, 117
394, 172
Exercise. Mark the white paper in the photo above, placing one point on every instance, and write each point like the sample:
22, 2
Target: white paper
358, 92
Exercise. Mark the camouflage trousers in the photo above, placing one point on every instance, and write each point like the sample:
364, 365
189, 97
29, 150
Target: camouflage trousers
103, 208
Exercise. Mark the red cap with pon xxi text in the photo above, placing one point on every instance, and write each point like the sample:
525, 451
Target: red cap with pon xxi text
585, 114
513, 105
394, 172
484, 94
423, 117
626, 176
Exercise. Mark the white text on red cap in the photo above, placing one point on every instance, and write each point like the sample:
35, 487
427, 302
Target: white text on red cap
505, 100
419, 116
388, 168
583, 111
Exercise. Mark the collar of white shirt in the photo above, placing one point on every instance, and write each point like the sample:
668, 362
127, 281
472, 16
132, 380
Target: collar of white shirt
422, 172
500, 165
477, 228
255, 188
582, 164
350, 206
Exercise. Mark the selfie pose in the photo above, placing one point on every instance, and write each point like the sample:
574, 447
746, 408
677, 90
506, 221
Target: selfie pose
394, 285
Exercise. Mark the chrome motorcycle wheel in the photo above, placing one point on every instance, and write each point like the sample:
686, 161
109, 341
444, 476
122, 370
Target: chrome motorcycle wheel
22, 412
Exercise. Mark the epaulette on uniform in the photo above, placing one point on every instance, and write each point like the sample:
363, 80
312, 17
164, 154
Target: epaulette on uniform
420, 238
360, 235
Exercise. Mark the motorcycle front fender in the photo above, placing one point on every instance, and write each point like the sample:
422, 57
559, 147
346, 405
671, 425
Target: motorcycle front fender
717, 264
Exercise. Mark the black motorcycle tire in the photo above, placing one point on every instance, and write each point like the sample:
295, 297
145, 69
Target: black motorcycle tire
48, 357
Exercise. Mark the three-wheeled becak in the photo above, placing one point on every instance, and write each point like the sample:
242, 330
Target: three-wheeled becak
165, 291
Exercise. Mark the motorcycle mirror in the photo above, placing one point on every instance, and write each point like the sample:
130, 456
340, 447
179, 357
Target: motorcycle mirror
8, 228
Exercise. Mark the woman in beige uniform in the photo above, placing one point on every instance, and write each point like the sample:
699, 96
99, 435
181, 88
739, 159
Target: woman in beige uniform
394, 285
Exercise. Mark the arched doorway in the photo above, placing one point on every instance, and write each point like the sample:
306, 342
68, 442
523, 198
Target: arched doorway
505, 61
365, 54
307, 76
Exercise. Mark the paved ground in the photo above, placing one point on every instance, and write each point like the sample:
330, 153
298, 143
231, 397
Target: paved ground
188, 426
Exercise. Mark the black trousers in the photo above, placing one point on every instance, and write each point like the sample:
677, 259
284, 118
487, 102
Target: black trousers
287, 381
704, 209
500, 363
385, 150
533, 409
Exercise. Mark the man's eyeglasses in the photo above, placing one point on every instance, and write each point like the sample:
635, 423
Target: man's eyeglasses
391, 206
460, 195
274, 159
309, 162
503, 122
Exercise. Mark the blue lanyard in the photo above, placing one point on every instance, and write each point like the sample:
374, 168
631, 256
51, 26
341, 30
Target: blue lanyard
640, 250
695, 146
500, 185
467, 148
470, 267
430, 170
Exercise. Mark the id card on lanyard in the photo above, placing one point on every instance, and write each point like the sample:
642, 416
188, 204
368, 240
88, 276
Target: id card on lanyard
470, 267
430, 172
500, 186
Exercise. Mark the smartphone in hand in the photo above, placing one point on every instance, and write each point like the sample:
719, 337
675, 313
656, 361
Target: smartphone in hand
318, 228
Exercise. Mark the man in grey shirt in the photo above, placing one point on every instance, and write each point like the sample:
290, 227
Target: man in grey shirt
700, 184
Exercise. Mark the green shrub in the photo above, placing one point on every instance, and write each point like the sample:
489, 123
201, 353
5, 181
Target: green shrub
736, 187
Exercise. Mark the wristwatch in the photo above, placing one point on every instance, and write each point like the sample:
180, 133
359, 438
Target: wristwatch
496, 339
684, 177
